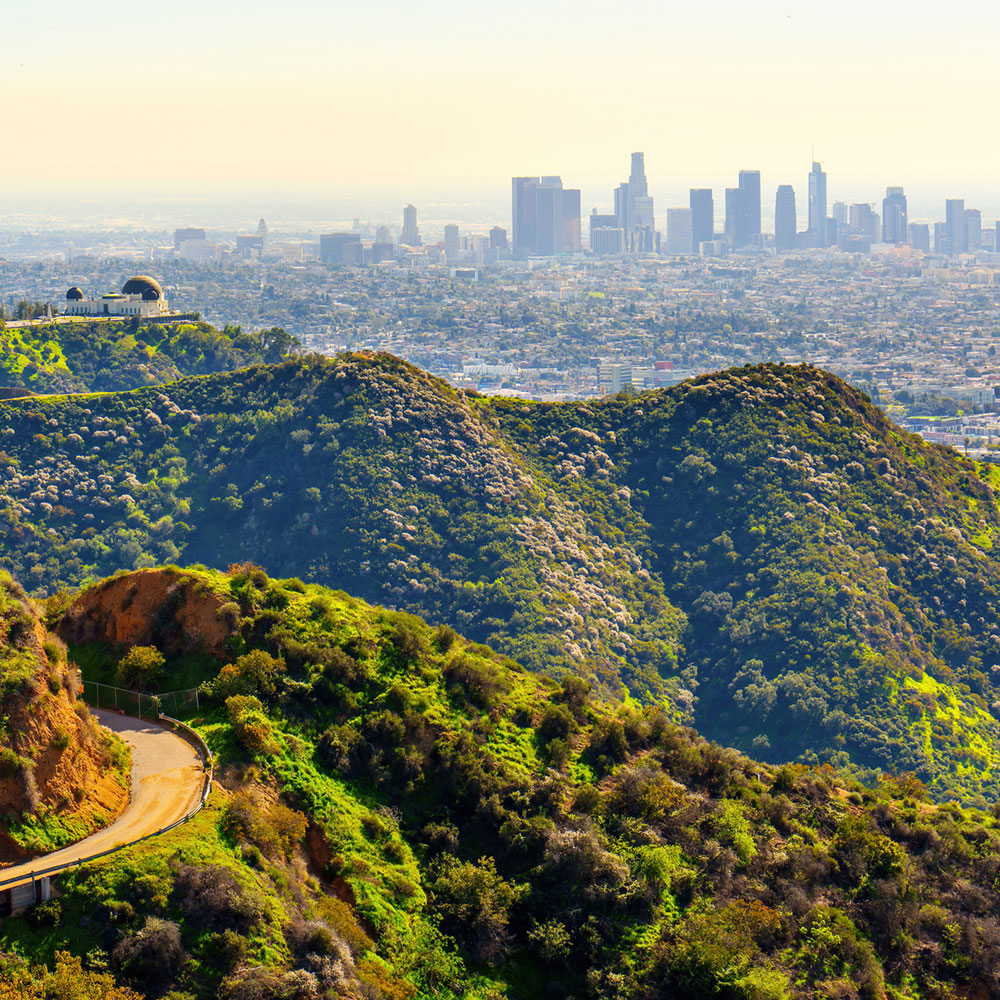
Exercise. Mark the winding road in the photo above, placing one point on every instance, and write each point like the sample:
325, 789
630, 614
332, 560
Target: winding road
168, 776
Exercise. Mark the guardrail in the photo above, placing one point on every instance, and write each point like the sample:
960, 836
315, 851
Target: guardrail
209, 763
199, 741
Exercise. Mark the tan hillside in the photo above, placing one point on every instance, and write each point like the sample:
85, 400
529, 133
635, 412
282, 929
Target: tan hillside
61, 775
163, 607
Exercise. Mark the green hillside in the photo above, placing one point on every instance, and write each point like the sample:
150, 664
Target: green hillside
762, 547
103, 355
406, 814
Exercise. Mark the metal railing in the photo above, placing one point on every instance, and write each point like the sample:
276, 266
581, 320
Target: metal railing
208, 764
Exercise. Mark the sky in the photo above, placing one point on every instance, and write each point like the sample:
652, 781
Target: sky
446, 100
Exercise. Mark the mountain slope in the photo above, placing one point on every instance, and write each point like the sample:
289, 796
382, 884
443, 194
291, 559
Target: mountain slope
361, 472
406, 814
762, 546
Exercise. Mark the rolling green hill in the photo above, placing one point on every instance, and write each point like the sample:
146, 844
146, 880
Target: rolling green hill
403, 813
761, 547
103, 355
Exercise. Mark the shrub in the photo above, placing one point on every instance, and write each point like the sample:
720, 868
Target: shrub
140, 668
153, 955
474, 903
212, 899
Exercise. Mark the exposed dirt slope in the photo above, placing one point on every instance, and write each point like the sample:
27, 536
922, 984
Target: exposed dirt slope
162, 607
60, 778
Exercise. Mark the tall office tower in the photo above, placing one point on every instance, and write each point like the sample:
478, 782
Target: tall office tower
735, 235
546, 217
702, 216
973, 230
606, 236
262, 233
954, 221
524, 194
680, 230
839, 211
941, 244
920, 236
637, 178
410, 236
498, 238
622, 213
634, 208
817, 204
785, 221
894, 216
750, 203
187, 235
451, 242
863, 221
571, 242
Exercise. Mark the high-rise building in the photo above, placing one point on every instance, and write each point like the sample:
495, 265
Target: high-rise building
954, 221
571, 242
894, 216
451, 245
634, 208
817, 204
188, 234
750, 204
735, 235
941, 242
498, 238
973, 230
606, 235
340, 248
920, 236
679, 230
410, 236
839, 213
785, 219
702, 216
863, 221
546, 217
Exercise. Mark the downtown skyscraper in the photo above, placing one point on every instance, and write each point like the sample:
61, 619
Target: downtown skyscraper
545, 216
817, 204
894, 224
785, 219
702, 207
634, 209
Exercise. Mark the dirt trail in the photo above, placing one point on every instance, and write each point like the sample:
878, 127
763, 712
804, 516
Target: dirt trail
167, 781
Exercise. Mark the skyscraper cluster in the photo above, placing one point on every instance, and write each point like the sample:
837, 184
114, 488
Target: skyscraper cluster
546, 217
546, 220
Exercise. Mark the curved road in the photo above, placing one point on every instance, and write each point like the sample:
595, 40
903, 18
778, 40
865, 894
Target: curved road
167, 781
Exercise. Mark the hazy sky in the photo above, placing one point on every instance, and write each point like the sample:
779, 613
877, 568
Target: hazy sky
403, 98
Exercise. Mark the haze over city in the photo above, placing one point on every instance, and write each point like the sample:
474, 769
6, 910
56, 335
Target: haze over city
446, 101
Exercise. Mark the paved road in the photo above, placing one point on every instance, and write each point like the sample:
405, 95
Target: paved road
167, 781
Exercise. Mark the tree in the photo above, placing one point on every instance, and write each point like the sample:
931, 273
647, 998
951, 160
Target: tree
140, 668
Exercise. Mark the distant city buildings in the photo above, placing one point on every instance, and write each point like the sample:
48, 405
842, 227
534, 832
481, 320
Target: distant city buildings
817, 205
702, 206
546, 217
894, 225
410, 235
680, 230
785, 219
451, 244
955, 230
